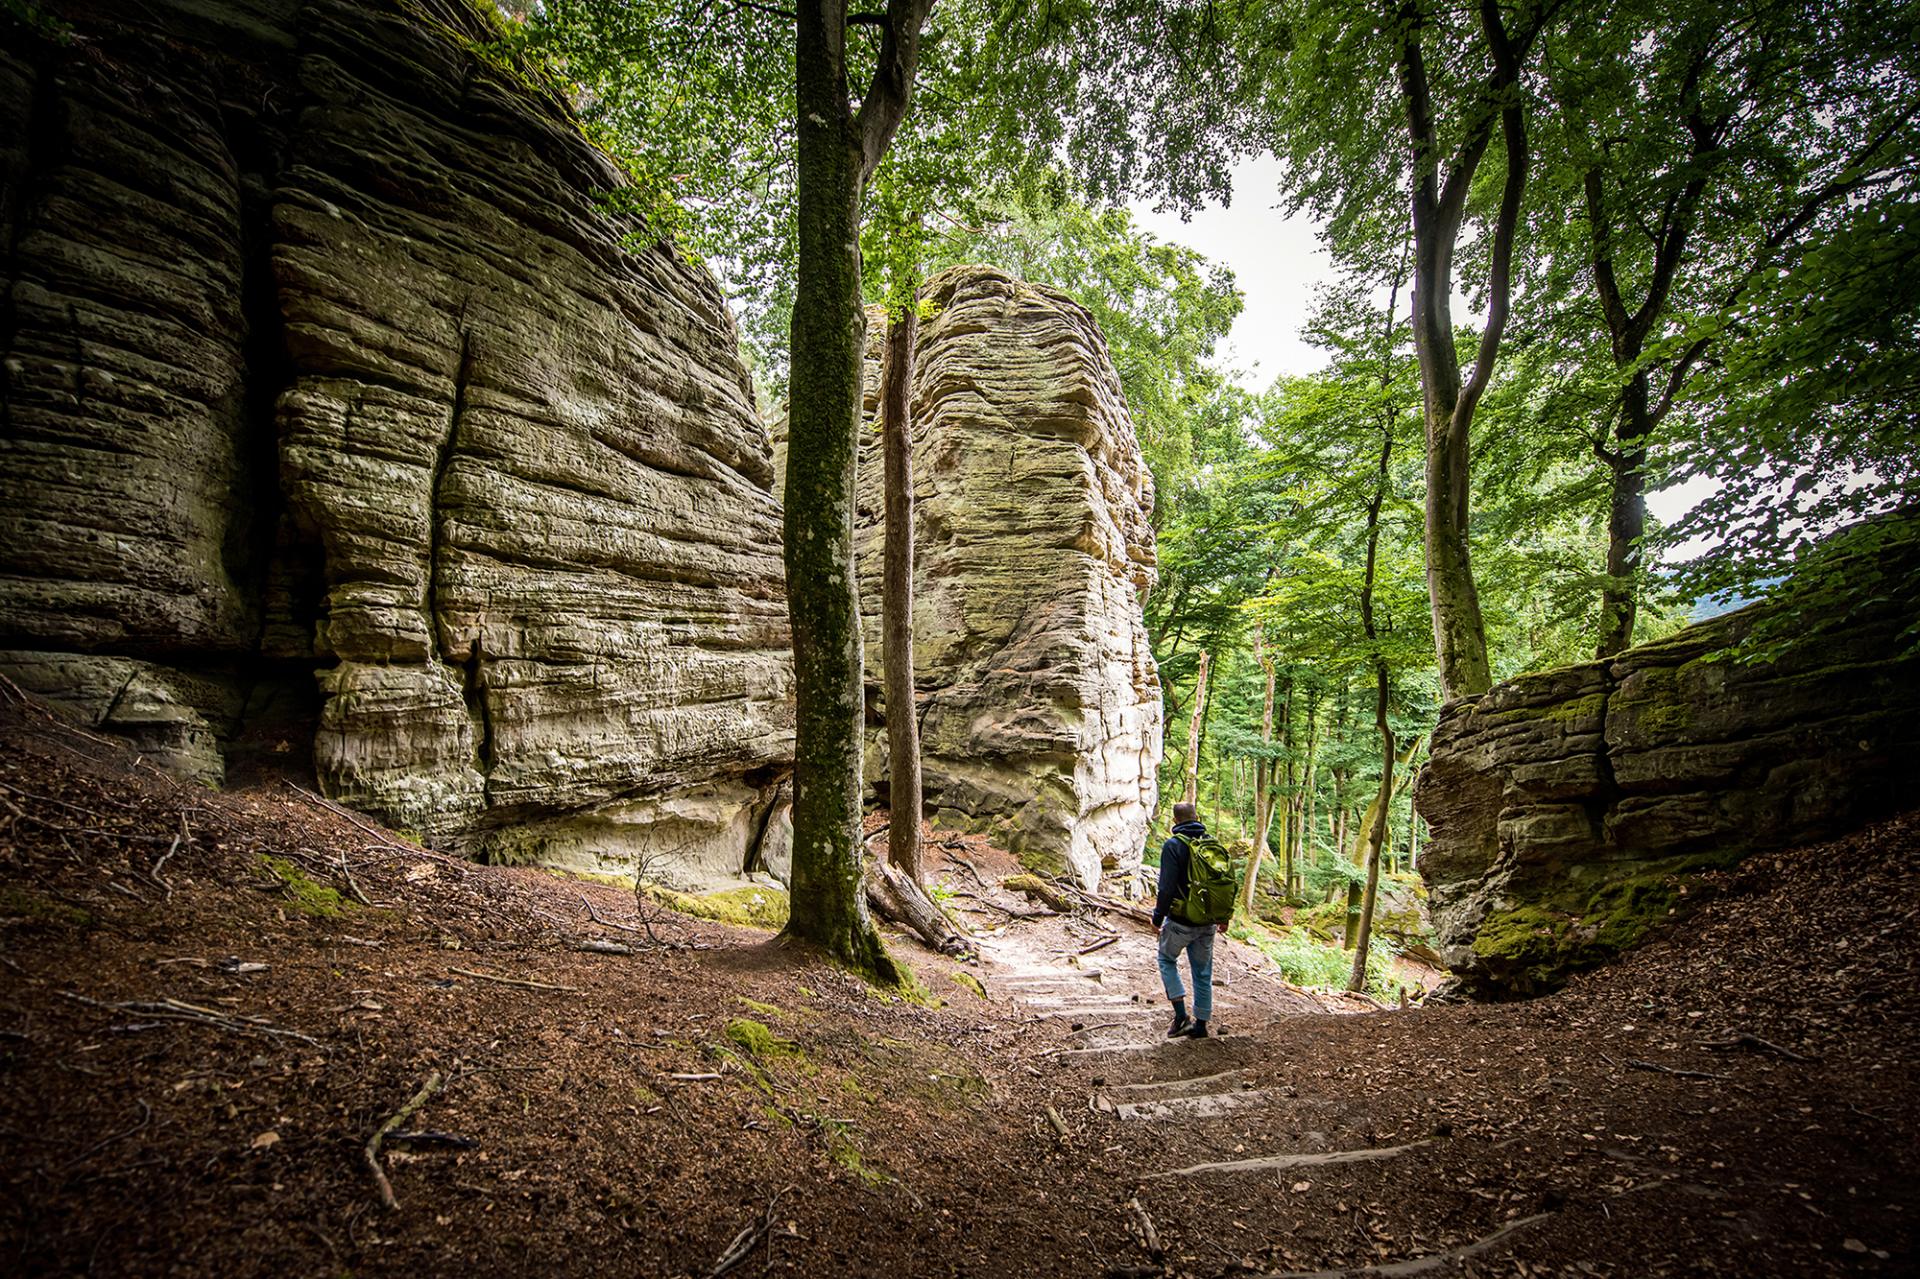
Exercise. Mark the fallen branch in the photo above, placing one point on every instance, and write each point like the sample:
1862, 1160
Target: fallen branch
1744, 1039
1637, 1064
897, 897
174, 847
594, 915
521, 982
1059, 1124
353, 888
1102, 943
398, 1117
1143, 1226
1038, 889
756, 1229
175, 1010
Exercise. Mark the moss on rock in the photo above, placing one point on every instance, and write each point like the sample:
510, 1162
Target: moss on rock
308, 896
749, 907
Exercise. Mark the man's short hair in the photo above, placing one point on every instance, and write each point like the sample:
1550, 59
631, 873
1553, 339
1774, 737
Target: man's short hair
1184, 812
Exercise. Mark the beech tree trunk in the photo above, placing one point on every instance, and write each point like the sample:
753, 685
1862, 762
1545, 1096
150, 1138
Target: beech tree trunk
1440, 188
837, 150
903, 721
1190, 791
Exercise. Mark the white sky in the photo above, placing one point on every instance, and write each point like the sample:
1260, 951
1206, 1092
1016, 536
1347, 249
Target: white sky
1278, 262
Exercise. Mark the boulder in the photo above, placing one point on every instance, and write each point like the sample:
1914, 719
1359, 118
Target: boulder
1039, 700
1572, 809
339, 412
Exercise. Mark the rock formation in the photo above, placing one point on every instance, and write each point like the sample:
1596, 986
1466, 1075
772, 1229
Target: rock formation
1570, 808
339, 417
1039, 698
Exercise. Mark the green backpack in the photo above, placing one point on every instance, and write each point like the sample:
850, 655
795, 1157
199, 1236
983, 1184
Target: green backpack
1212, 892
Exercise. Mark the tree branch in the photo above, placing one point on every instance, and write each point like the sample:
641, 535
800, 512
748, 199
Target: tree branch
885, 102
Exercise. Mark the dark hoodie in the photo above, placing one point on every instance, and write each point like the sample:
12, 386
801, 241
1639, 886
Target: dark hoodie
1173, 868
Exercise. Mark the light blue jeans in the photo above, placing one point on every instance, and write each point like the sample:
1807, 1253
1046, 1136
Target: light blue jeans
1198, 943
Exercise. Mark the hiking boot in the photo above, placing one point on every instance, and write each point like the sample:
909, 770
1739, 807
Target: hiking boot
1198, 1030
1181, 1024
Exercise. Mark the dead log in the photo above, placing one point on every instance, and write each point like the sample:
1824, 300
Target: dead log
1038, 889
899, 900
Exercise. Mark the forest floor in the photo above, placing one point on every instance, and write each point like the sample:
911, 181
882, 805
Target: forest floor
197, 1046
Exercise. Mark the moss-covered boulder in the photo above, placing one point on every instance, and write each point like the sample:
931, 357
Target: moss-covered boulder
1571, 808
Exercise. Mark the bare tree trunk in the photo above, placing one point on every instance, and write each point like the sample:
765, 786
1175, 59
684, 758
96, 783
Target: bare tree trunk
1190, 791
1262, 778
903, 723
1357, 979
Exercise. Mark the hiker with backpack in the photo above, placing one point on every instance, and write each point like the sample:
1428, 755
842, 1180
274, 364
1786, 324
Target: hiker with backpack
1196, 899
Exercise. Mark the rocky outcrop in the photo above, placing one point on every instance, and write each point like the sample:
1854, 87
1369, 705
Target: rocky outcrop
1571, 808
1039, 699
338, 417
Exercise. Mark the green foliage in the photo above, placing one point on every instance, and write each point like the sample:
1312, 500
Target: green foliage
1307, 962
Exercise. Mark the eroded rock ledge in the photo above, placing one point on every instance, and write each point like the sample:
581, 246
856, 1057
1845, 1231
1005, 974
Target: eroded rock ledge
1570, 808
338, 419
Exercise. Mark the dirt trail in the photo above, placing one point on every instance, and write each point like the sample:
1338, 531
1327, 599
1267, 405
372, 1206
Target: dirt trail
192, 1064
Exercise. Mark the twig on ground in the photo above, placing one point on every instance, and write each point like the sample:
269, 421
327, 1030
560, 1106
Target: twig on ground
399, 1117
175, 1010
1637, 1064
346, 873
1101, 944
522, 983
146, 1117
1059, 1124
154, 874
743, 1244
594, 915
1143, 1225
1746, 1039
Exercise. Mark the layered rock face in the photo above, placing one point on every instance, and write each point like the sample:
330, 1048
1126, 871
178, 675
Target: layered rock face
339, 417
1570, 808
1039, 699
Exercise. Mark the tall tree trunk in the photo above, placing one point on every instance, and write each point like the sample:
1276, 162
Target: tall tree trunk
1440, 187
837, 152
1308, 785
1357, 978
1262, 778
1190, 791
903, 723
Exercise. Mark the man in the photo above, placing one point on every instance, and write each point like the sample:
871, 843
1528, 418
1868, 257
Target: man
1176, 935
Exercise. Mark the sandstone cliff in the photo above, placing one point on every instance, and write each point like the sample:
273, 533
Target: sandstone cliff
1570, 808
1039, 699
338, 417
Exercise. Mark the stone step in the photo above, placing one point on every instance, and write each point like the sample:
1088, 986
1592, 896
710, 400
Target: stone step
1200, 1106
1225, 1081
